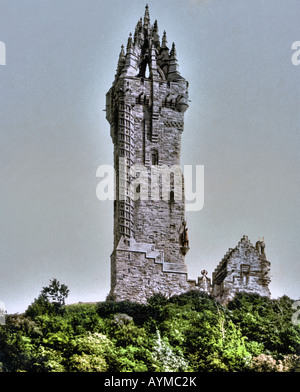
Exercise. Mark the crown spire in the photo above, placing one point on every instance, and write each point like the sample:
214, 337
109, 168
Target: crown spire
146, 49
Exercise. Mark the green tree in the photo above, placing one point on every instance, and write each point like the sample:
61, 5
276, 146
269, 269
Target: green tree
56, 293
133, 345
267, 321
51, 300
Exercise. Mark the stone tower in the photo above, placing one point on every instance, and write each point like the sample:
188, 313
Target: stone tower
145, 108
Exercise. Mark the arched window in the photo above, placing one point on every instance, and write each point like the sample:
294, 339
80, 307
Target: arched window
172, 198
147, 71
154, 157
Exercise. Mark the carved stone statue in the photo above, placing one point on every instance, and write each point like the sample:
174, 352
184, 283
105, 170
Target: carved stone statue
260, 247
185, 237
204, 282
263, 245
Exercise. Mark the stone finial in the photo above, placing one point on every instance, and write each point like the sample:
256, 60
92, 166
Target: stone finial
138, 33
121, 56
129, 42
121, 61
147, 15
173, 52
173, 72
155, 34
164, 40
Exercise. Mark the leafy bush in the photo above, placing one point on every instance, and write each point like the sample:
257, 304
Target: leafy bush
165, 358
188, 332
90, 352
267, 321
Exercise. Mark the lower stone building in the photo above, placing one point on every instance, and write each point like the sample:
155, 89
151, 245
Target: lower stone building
139, 271
244, 268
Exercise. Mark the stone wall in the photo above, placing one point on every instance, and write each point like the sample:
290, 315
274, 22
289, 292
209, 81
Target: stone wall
244, 268
156, 221
139, 271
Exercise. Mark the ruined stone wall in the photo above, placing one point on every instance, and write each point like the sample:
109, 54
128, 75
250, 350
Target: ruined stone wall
242, 269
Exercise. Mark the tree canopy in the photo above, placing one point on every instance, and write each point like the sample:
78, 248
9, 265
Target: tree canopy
188, 332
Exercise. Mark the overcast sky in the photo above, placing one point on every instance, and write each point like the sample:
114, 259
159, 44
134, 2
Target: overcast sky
242, 125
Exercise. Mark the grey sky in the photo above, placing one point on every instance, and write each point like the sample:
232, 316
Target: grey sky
242, 125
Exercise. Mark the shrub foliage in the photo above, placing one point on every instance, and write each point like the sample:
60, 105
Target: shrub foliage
189, 332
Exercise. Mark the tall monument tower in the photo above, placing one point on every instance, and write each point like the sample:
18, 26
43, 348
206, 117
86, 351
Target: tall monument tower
145, 108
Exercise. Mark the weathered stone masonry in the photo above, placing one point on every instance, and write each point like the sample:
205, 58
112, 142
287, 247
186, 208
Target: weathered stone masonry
244, 268
145, 108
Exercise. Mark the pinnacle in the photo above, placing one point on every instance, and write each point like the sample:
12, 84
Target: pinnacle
129, 43
147, 15
164, 40
173, 50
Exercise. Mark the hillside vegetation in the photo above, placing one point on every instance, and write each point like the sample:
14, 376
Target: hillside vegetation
189, 332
